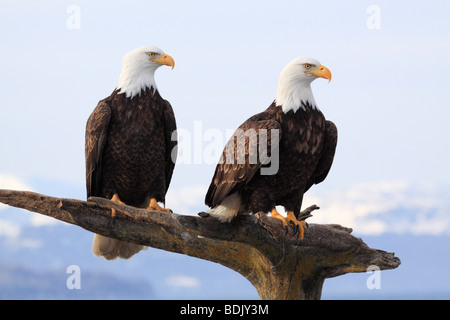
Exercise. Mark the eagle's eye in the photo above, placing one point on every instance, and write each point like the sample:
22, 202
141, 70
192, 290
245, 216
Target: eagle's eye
307, 66
152, 54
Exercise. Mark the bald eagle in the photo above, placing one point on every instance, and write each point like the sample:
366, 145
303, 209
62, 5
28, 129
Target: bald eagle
295, 129
130, 149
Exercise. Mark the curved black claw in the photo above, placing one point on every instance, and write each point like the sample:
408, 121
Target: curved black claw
299, 243
170, 211
203, 214
295, 227
286, 229
307, 225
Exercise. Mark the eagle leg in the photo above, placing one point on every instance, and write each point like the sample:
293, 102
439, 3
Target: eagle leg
115, 198
156, 207
275, 215
299, 225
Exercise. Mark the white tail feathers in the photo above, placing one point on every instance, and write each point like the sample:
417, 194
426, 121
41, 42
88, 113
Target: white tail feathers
227, 209
111, 249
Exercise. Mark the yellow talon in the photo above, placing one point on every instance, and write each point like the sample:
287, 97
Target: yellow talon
156, 207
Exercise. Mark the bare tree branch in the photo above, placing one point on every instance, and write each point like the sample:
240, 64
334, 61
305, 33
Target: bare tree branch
271, 260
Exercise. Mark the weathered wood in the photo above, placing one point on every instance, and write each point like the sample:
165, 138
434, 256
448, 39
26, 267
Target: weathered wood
271, 260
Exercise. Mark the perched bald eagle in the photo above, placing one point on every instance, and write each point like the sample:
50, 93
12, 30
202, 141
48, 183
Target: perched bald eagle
130, 150
295, 129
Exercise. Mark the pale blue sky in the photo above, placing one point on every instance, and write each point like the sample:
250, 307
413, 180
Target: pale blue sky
389, 95
389, 98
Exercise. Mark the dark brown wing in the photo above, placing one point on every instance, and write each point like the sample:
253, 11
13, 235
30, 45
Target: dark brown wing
242, 157
171, 142
328, 151
96, 136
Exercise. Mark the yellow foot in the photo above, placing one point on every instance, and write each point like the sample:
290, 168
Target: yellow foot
299, 226
115, 198
290, 220
155, 206
275, 215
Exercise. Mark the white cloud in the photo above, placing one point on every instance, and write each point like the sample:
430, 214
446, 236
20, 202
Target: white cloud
11, 182
8, 181
384, 206
182, 281
187, 200
39, 220
30, 243
12, 232
371, 208
9, 229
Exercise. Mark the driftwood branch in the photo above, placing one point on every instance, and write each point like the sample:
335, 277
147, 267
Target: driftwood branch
271, 260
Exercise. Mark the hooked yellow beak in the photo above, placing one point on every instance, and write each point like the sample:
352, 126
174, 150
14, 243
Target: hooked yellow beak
166, 60
322, 72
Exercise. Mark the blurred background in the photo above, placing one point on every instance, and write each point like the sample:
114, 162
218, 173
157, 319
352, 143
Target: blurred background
389, 98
